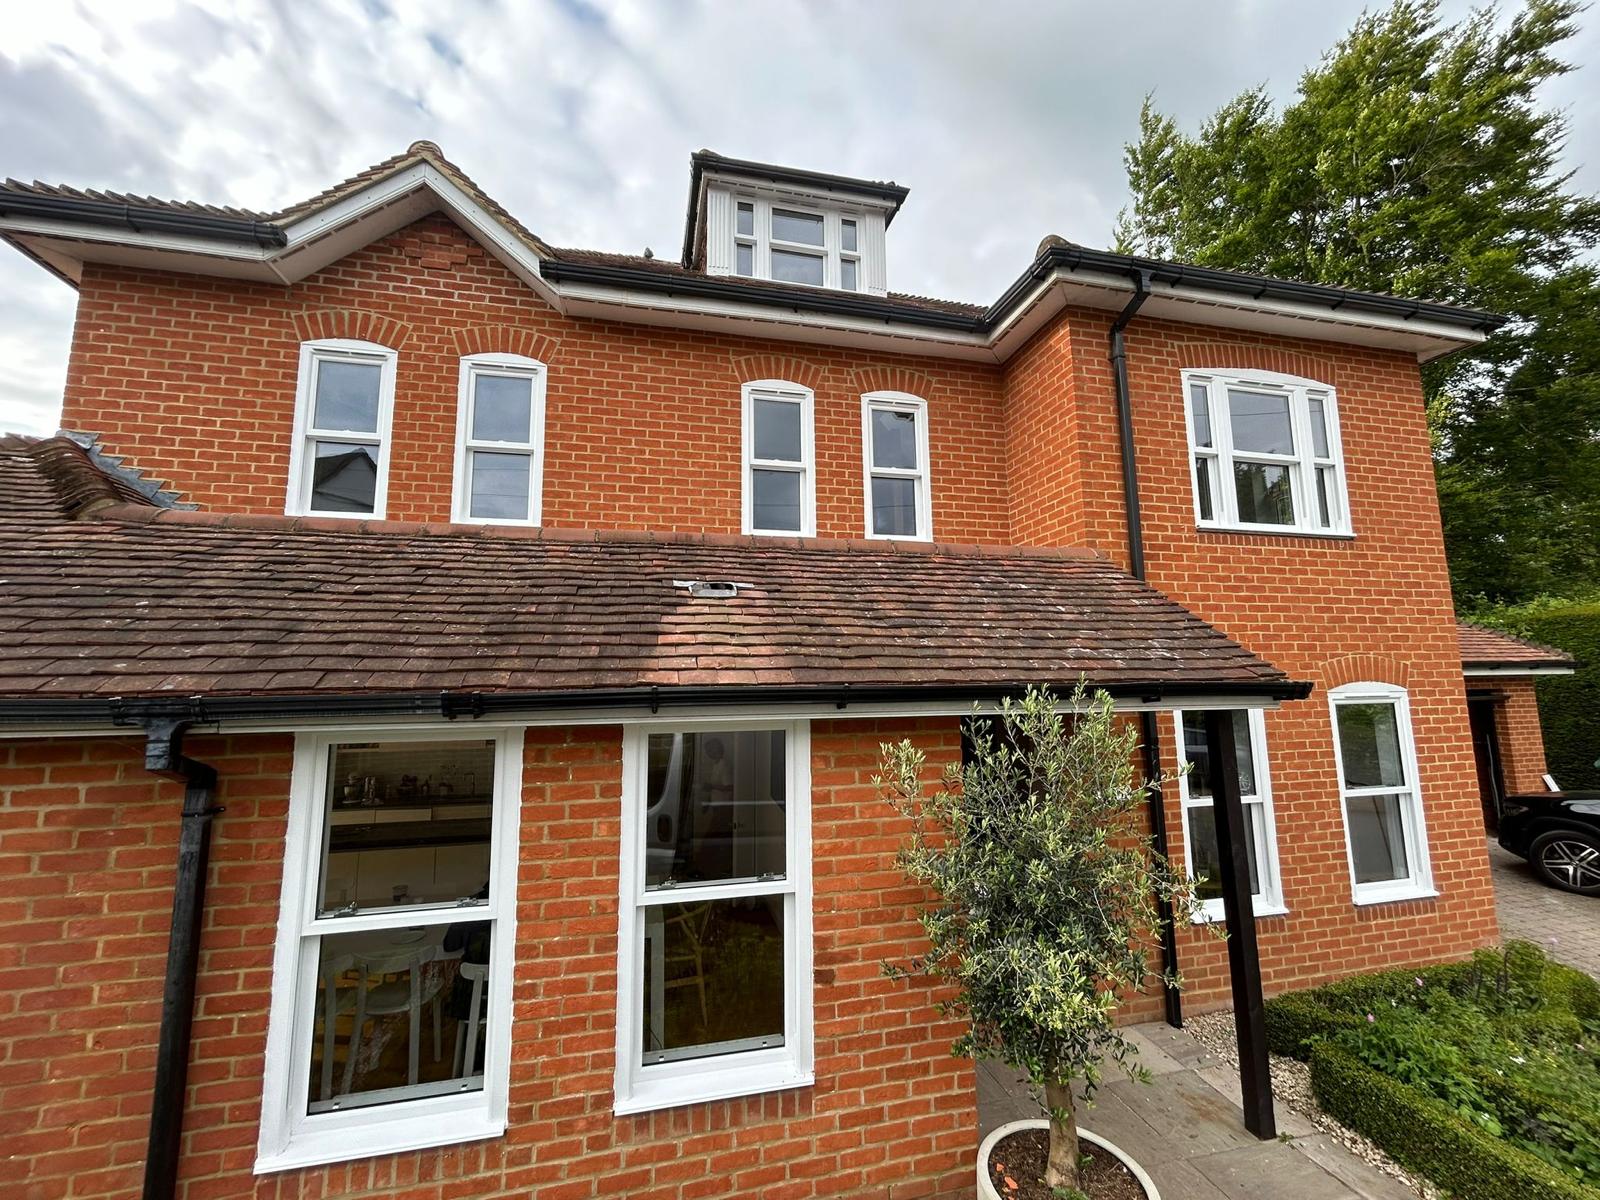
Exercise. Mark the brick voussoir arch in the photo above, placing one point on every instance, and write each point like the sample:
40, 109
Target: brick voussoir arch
750, 367
892, 379
1366, 668
1198, 352
506, 339
318, 324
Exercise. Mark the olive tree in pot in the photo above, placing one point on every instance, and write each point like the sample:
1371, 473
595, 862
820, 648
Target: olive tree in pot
1044, 893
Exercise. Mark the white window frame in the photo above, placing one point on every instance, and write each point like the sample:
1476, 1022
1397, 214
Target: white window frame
1412, 816
762, 243
289, 1136
906, 403
1269, 901
301, 457
641, 1088
1218, 459
793, 393
473, 366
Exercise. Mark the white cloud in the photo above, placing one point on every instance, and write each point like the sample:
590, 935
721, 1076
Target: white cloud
1005, 119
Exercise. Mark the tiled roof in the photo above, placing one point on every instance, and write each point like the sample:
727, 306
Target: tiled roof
62, 191
54, 478
1481, 647
145, 601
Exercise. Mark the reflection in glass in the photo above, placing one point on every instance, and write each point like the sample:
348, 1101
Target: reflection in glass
1369, 745
1260, 422
1377, 838
715, 807
1197, 752
1202, 474
1264, 492
847, 274
1204, 859
713, 978
344, 478
790, 267
805, 228
775, 500
347, 396
502, 408
894, 438
745, 259
1319, 427
1200, 414
894, 506
847, 236
747, 220
777, 430
500, 485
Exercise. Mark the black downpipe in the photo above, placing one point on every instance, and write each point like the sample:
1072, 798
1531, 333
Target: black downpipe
164, 756
1149, 730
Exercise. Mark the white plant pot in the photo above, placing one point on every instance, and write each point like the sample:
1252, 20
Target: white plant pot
987, 1190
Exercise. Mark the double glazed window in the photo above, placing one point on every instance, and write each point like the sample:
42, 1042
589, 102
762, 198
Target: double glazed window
894, 438
1199, 817
779, 479
390, 1022
1265, 453
339, 463
500, 440
792, 244
1384, 828
714, 947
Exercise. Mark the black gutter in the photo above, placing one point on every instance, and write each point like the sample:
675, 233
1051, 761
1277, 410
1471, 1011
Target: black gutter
164, 756
143, 219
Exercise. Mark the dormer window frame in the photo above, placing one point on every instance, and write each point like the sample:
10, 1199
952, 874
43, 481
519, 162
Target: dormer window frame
753, 244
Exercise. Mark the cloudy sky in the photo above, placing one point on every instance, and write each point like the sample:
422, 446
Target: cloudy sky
1006, 118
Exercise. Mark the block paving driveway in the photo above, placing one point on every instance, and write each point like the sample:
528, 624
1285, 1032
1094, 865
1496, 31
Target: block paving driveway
1566, 926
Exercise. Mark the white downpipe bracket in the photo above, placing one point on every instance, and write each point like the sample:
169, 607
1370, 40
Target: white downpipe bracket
986, 1189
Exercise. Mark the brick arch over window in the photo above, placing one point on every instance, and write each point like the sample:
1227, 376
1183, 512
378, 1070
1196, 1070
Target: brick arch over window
892, 379
1366, 668
1201, 351
506, 339
750, 367
314, 325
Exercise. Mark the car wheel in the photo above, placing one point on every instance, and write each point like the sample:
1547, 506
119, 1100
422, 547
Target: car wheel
1568, 860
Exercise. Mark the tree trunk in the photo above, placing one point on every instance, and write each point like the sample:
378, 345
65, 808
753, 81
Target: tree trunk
1062, 1170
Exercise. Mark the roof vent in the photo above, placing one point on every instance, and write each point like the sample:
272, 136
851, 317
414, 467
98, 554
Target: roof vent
710, 589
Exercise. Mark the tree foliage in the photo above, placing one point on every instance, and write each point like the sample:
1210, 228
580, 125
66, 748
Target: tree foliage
1045, 892
1417, 159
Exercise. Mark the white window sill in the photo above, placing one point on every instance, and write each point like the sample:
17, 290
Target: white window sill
1390, 895
705, 1087
788, 533
387, 1135
900, 537
1215, 916
1334, 535
339, 516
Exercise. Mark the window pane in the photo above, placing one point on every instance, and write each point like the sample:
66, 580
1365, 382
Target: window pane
407, 824
775, 500
502, 408
1260, 422
1204, 858
1194, 751
344, 477
500, 486
1369, 745
894, 438
746, 259
894, 507
1264, 492
1200, 413
1377, 838
1324, 497
790, 267
1319, 427
847, 274
399, 1015
347, 396
847, 235
715, 808
1202, 476
713, 978
746, 224
777, 430
804, 228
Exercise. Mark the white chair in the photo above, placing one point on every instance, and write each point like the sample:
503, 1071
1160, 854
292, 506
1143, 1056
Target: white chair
404, 986
467, 1031
335, 1002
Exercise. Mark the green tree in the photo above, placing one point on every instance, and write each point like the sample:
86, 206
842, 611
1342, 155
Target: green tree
1416, 158
1044, 893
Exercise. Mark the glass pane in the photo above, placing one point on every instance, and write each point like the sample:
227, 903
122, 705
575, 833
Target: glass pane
502, 408
1319, 427
1324, 497
894, 506
1264, 492
715, 807
746, 259
805, 228
500, 485
1200, 414
1377, 838
847, 274
399, 1015
344, 477
894, 438
713, 978
408, 823
746, 223
777, 430
847, 236
1369, 745
347, 396
1260, 422
790, 267
1194, 751
775, 500
1202, 476
1203, 856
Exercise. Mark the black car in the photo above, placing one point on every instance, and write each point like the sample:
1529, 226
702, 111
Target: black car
1559, 834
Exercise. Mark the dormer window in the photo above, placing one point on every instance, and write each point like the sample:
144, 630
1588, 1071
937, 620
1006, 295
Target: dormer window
787, 244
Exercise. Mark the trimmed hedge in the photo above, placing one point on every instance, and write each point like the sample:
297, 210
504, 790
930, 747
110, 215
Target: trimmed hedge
1423, 1134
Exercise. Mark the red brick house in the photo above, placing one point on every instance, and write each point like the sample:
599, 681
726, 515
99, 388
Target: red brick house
497, 640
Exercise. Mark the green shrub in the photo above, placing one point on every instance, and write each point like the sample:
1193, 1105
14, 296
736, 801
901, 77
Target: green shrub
1296, 1019
1425, 1135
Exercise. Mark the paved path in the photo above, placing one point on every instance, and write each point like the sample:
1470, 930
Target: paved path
1532, 910
1187, 1130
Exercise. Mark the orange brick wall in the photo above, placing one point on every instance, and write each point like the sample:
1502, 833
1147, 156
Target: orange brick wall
90, 843
193, 380
1516, 721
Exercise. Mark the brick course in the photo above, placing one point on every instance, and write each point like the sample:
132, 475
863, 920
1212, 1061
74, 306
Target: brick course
1516, 721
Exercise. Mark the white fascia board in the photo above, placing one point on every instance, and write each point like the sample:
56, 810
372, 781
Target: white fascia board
1503, 672
71, 231
818, 195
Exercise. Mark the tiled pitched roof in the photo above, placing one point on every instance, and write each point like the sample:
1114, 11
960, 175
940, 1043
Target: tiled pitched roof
43, 479
1481, 647
62, 191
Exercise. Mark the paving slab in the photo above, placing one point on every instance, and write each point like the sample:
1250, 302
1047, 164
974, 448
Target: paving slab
1226, 1081
1271, 1171
1359, 1176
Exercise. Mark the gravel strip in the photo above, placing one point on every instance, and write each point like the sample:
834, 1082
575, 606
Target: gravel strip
1291, 1083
